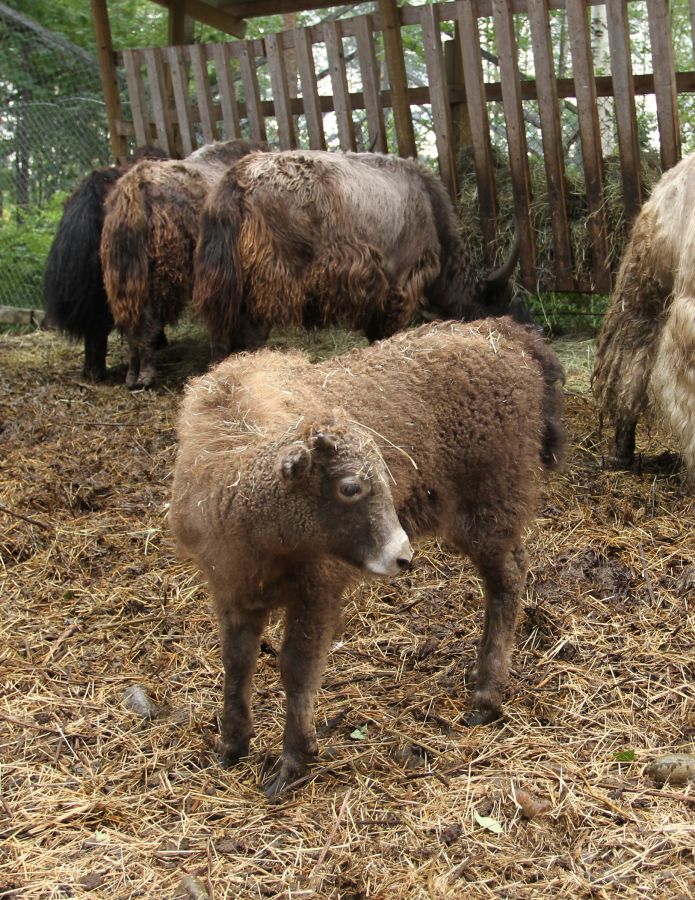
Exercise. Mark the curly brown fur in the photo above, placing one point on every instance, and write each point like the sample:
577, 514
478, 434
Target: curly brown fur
73, 282
448, 425
313, 237
148, 239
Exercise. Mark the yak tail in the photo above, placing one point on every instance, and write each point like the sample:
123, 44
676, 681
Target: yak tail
124, 253
218, 278
73, 286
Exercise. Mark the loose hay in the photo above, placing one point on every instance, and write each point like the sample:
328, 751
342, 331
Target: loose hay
404, 801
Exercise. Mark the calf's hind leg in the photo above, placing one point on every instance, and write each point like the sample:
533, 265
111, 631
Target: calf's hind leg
240, 633
503, 572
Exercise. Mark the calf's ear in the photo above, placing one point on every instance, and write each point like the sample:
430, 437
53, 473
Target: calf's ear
295, 462
324, 440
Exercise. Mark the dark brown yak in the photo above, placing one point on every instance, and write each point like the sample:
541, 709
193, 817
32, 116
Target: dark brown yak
73, 282
309, 237
148, 239
293, 481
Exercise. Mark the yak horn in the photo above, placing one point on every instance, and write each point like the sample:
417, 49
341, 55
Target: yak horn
501, 275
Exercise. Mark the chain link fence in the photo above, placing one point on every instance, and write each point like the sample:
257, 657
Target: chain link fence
53, 130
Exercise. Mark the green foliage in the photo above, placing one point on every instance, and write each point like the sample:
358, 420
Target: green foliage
23, 250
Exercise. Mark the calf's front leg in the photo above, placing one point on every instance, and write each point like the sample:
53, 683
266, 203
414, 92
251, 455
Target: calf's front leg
504, 574
240, 632
309, 629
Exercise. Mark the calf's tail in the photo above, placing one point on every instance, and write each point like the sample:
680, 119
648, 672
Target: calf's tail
218, 277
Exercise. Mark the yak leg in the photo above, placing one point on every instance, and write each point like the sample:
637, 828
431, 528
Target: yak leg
241, 640
143, 341
624, 442
309, 628
132, 375
503, 573
95, 344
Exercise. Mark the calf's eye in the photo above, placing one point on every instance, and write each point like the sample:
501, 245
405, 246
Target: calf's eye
350, 490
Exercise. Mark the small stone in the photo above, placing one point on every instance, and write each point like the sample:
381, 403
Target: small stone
673, 768
137, 700
193, 888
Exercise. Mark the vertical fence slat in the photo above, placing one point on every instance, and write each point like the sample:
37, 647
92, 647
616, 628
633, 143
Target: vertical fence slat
625, 111
158, 95
364, 34
551, 132
222, 55
469, 37
692, 27
178, 66
590, 137
664, 69
333, 36
398, 79
281, 91
136, 94
203, 92
516, 136
252, 95
310, 94
439, 97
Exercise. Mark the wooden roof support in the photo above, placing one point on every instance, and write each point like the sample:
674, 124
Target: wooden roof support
109, 77
398, 79
210, 15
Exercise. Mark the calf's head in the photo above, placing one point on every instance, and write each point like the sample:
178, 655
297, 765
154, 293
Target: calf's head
338, 497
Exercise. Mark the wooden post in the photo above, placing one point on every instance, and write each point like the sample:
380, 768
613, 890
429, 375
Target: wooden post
180, 27
398, 80
460, 118
109, 78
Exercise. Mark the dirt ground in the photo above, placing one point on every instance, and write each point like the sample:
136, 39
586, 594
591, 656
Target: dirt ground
404, 801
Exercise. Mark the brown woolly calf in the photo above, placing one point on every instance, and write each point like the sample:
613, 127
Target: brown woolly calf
294, 480
147, 244
309, 237
645, 360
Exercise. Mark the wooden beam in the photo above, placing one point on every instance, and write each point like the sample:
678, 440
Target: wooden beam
210, 15
180, 26
398, 79
109, 77
247, 9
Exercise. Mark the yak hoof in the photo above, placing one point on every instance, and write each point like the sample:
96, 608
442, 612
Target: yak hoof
94, 374
275, 787
482, 717
231, 753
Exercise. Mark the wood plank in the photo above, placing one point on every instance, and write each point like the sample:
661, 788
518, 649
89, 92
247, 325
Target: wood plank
156, 80
551, 132
439, 98
310, 95
398, 79
210, 15
178, 66
516, 138
208, 122
281, 91
469, 39
15, 315
222, 55
692, 26
252, 95
664, 69
366, 53
332, 35
109, 77
136, 94
625, 111
590, 137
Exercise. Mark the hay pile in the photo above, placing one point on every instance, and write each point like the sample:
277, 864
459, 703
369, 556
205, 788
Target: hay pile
405, 801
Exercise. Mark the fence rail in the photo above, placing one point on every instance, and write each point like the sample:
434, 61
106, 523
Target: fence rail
181, 96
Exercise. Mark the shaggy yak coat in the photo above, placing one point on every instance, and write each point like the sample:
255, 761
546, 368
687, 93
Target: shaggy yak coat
147, 245
448, 426
73, 283
310, 237
645, 357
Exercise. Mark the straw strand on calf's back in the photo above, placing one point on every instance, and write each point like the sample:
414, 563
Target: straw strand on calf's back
448, 427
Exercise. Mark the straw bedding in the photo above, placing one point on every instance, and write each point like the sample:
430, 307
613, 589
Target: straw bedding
404, 801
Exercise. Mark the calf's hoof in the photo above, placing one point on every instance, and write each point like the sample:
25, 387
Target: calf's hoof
275, 787
231, 752
483, 716
92, 373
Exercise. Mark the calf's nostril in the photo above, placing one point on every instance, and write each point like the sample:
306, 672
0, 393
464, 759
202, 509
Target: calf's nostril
404, 563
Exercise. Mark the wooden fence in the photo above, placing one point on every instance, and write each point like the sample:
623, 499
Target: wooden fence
182, 96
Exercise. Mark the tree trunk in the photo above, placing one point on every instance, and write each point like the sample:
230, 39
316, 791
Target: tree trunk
22, 153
